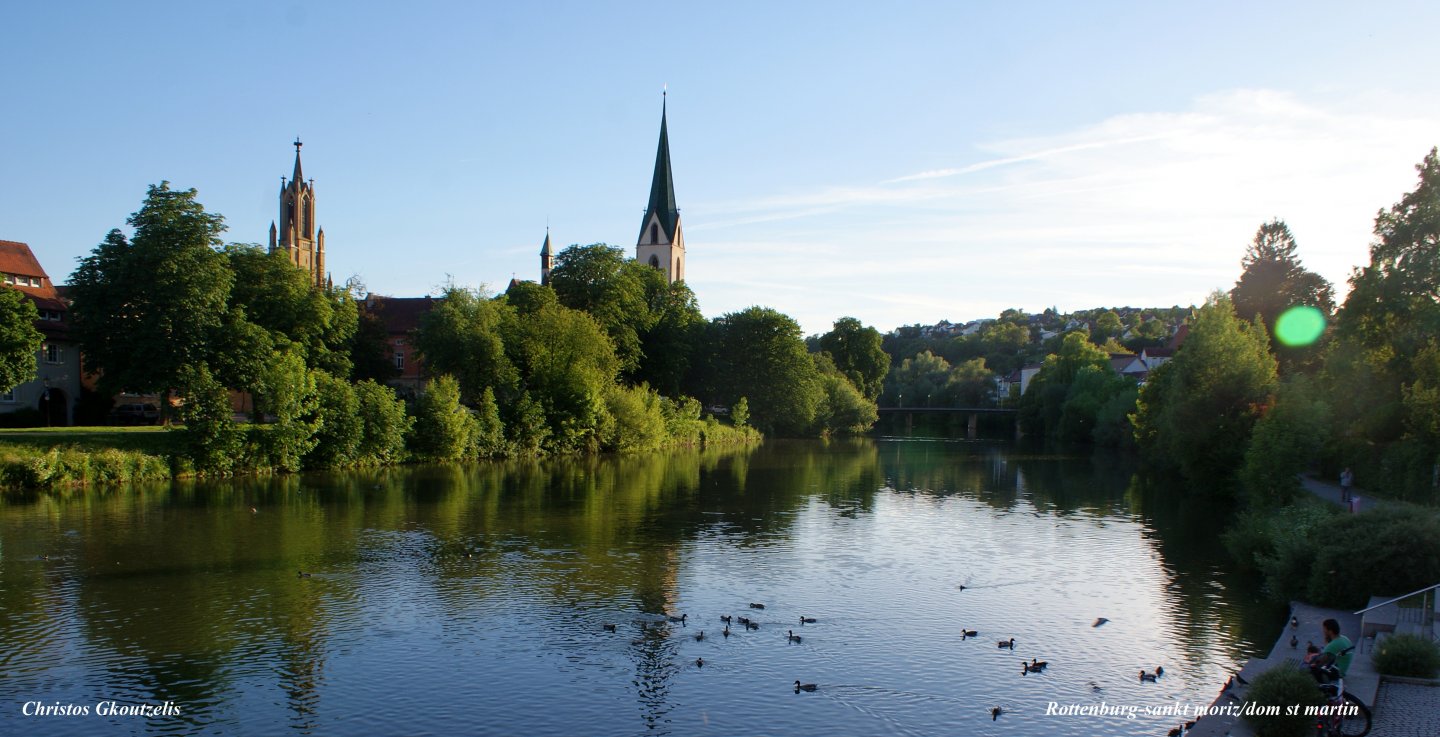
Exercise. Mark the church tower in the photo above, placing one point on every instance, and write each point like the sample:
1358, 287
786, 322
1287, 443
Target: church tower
297, 235
662, 244
547, 260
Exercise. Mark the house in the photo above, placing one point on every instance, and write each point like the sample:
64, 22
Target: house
1129, 364
1018, 378
401, 316
56, 388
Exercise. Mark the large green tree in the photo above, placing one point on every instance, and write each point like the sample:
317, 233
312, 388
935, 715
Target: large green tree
1197, 412
600, 280
147, 307
462, 336
19, 340
282, 299
670, 343
1274, 280
856, 350
759, 354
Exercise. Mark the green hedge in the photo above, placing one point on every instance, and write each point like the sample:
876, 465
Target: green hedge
1279, 689
1407, 655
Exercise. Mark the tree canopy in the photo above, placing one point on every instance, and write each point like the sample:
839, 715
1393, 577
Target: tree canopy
857, 352
19, 340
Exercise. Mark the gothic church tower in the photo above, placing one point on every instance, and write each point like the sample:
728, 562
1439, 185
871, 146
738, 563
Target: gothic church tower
662, 244
297, 235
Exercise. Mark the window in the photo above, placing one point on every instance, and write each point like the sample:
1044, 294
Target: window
654, 233
399, 360
654, 262
8, 397
9, 278
53, 353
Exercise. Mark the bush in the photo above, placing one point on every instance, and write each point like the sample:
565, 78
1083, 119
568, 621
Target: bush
490, 435
339, 428
383, 422
444, 430
1407, 655
1280, 544
639, 420
1394, 548
211, 440
1283, 687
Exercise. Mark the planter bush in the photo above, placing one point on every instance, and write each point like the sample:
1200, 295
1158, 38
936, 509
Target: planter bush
1407, 655
1283, 688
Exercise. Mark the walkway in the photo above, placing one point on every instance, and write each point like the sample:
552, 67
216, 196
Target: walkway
1330, 492
1407, 710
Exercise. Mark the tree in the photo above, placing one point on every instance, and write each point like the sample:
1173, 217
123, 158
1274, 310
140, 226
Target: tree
1043, 405
444, 430
600, 280
1197, 412
566, 365
461, 336
146, 308
856, 350
920, 381
282, 299
1274, 280
1107, 325
19, 340
670, 343
759, 354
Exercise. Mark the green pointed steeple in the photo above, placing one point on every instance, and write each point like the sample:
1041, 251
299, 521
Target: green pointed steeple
545, 249
662, 187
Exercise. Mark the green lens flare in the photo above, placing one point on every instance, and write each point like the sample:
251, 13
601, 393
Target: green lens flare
1300, 326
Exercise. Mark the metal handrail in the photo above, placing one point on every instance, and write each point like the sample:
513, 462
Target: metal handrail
1398, 598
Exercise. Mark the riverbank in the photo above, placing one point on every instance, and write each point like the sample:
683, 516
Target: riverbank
41, 460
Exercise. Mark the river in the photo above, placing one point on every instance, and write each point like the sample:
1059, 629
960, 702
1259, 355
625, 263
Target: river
473, 600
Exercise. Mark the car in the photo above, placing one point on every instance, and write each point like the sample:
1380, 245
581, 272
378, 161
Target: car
135, 414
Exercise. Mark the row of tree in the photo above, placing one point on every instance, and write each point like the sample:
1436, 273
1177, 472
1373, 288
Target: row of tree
607, 356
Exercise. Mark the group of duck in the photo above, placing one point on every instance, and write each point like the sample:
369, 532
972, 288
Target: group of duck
745, 622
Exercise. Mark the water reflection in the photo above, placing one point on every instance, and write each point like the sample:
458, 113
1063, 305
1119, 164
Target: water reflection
473, 599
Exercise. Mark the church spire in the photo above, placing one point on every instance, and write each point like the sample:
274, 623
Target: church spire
547, 259
298, 176
662, 185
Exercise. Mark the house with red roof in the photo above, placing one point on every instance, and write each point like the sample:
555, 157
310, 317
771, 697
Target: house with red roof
56, 388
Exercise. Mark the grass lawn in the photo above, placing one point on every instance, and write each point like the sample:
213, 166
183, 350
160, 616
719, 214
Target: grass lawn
152, 439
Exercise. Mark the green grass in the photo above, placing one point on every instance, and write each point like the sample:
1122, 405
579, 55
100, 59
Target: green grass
151, 439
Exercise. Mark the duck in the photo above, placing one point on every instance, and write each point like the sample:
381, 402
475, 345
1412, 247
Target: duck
725, 618
1294, 622
753, 605
808, 620
1099, 621
608, 627
680, 619
743, 620
1159, 670
964, 633
804, 687
1009, 644
699, 662
1176, 732
1294, 641
302, 574
700, 637
752, 625
793, 637
1147, 677
1038, 665
995, 713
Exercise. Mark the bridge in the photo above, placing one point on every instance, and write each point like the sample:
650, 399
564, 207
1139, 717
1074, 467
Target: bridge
972, 424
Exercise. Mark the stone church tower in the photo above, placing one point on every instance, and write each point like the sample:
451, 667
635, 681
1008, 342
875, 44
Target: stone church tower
662, 244
547, 260
297, 235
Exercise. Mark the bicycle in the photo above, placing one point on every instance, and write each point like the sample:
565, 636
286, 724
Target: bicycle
1349, 716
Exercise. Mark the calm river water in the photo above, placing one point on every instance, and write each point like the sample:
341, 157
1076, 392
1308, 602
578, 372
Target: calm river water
473, 600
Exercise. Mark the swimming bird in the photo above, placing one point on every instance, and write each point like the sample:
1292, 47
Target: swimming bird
699, 662
680, 619
1038, 665
995, 713
743, 620
1159, 670
302, 574
808, 620
793, 637
608, 627
700, 637
964, 633
725, 618
804, 687
753, 605
961, 587
752, 625
1147, 677
1007, 643
1099, 621
1176, 732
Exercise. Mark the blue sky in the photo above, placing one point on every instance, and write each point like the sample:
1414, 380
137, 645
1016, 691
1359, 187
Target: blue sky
901, 163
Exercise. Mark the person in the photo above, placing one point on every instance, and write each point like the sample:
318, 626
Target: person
1338, 652
1347, 480
1311, 653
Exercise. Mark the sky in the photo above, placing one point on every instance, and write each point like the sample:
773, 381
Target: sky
901, 163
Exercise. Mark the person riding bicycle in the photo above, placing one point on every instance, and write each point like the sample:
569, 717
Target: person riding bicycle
1333, 662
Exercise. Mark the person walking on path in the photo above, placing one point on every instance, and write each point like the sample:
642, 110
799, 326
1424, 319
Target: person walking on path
1347, 480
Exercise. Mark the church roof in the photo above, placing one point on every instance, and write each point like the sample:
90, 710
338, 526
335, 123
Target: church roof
662, 187
545, 249
298, 177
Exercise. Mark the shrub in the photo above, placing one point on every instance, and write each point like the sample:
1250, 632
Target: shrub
639, 421
490, 435
444, 430
1394, 548
1282, 687
339, 427
740, 413
383, 422
1407, 655
210, 438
